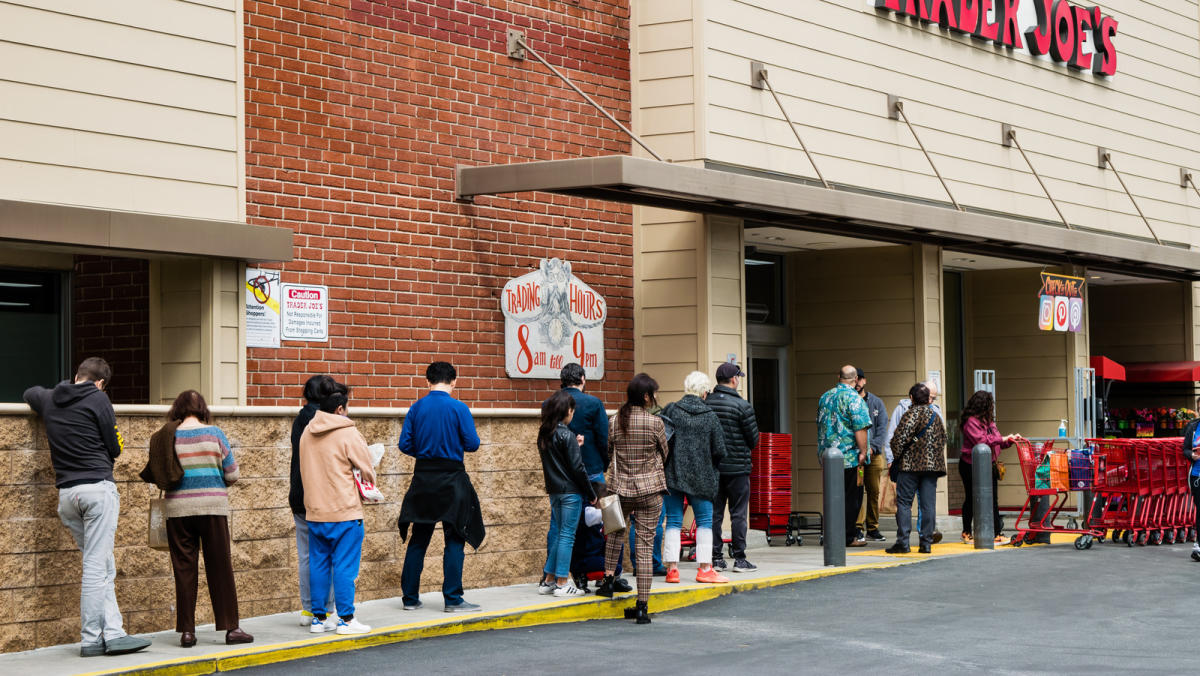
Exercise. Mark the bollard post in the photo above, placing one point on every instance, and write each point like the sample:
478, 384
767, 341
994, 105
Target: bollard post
834, 521
981, 482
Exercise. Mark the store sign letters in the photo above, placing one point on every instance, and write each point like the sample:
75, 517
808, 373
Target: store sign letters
551, 319
1060, 303
1078, 37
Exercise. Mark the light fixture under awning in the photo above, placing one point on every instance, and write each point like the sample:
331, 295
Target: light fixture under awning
633, 180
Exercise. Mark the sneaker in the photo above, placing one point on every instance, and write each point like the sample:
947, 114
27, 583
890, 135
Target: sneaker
876, 536
719, 564
967, 539
672, 575
566, 590
125, 644
463, 607
546, 588
97, 649
351, 627
418, 604
711, 576
1000, 539
1195, 553
319, 626
306, 618
743, 566
660, 571
858, 534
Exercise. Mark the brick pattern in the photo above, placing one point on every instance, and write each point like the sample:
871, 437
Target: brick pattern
110, 318
40, 566
357, 113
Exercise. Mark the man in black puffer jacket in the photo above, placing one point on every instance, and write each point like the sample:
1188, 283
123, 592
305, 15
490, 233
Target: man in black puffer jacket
741, 436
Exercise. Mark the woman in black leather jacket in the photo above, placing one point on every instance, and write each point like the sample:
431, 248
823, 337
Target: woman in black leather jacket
569, 489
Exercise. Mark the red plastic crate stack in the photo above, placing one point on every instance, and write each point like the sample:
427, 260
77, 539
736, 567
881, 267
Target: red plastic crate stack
771, 477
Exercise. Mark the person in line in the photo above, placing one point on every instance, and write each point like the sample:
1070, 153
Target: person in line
894, 421
315, 389
81, 428
691, 471
1191, 437
567, 485
197, 513
843, 422
637, 441
741, 437
978, 424
868, 514
438, 431
331, 448
919, 446
656, 557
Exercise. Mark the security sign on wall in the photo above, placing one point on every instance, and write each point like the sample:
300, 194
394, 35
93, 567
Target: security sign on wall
551, 319
1060, 303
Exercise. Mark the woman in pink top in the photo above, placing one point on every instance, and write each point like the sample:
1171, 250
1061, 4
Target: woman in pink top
978, 424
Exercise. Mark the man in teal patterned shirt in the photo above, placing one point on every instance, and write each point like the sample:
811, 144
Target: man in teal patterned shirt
842, 424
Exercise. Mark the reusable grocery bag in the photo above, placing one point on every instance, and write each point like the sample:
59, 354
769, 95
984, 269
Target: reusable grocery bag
156, 527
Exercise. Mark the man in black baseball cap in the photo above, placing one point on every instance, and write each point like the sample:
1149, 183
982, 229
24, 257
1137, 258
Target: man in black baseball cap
741, 436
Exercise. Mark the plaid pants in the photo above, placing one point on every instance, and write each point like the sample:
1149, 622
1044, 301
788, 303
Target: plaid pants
645, 512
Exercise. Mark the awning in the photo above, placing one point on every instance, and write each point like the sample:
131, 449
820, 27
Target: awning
634, 180
1163, 372
63, 227
1107, 368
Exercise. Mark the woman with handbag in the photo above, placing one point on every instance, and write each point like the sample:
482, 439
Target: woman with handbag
197, 513
637, 443
978, 424
697, 447
919, 460
569, 489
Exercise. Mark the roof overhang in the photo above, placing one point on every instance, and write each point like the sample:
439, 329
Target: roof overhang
60, 226
646, 182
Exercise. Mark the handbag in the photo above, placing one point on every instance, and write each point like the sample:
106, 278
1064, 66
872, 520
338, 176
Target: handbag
612, 514
894, 470
156, 526
1001, 470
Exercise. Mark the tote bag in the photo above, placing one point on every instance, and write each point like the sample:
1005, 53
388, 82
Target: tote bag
156, 528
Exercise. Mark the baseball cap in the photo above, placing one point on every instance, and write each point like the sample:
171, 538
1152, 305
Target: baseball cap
729, 370
860, 373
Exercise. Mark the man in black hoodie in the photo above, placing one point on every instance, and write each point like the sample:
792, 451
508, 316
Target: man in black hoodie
84, 441
741, 436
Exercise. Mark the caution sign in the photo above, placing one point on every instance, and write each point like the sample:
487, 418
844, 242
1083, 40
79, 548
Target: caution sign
262, 308
305, 313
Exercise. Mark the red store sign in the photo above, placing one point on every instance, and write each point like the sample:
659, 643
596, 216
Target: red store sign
1079, 37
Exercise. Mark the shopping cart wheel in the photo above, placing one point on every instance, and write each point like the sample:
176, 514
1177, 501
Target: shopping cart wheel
770, 541
1191, 535
1181, 535
1155, 538
821, 540
1127, 538
1116, 537
1016, 540
789, 540
1169, 536
1142, 539
799, 540
1029, 538
1072, 524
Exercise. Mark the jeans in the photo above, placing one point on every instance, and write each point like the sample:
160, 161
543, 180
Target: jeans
452, 564
924, 487
302, 566
703, 511
968, 508
565, 510
90, 512
335, 552
854, 494
734, 490
656, 554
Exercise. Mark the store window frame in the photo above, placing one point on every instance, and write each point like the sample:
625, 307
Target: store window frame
10, 274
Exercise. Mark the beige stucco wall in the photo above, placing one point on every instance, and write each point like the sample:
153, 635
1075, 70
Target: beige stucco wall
39, 564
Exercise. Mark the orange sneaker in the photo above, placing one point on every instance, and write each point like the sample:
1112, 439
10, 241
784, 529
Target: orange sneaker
673, 575
710, 576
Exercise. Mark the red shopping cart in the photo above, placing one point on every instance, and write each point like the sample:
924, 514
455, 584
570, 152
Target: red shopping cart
1116, 487
1054, 484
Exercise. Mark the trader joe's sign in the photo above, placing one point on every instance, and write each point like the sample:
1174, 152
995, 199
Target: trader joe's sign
1078, 37
1060, 303
551, 319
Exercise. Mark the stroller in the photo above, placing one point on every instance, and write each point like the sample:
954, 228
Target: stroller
587, 558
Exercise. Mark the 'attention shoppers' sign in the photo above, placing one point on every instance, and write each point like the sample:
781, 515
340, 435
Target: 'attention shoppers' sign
1060, 303
552, 319
1079, 37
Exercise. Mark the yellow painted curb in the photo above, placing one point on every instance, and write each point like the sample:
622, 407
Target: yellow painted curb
527, 616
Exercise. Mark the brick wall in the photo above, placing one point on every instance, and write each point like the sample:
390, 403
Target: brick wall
357, 113
110, 318
40, 566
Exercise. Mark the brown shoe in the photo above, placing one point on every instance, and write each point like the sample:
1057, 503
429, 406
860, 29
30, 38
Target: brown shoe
238, 636
857, 543
187, 639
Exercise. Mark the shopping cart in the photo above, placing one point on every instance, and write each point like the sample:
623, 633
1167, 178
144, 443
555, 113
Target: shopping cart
771, 494
1116, 488
1056, 492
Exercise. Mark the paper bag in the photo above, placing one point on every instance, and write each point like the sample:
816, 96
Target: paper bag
156, 529
614, 518
887, 496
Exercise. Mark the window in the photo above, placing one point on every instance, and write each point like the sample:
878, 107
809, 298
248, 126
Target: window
33, 332
765, 280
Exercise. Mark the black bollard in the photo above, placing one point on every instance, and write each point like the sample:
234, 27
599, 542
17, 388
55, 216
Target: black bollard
833, 472
981, 482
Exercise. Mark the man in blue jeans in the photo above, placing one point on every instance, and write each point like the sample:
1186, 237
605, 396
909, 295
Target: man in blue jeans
437, 431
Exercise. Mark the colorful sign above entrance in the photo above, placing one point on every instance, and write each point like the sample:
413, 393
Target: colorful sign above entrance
551, 319
1079, 37
1060, 303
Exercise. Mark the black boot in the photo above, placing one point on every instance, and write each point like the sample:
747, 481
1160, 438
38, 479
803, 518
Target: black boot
638, 612
606, 587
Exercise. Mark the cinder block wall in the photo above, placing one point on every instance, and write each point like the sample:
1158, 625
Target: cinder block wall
40, 565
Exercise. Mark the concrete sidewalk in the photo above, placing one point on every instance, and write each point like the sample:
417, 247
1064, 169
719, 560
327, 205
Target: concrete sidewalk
280, 638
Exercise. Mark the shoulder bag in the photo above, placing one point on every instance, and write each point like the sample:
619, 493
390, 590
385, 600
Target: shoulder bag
894, 470
156, 526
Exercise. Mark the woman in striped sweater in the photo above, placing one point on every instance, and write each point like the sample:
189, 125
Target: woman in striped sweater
197, 511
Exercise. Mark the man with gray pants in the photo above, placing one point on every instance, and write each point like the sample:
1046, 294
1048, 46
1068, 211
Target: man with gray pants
82, 429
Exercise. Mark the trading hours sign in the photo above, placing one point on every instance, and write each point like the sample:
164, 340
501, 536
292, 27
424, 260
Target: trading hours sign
551, 318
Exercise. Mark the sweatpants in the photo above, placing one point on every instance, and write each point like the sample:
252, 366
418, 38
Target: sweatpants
334, 554
302, 565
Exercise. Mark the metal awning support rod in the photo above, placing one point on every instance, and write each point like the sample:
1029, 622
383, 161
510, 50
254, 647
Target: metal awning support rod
517, 47
1185, 179
896, 112
758, 79
1010, 139
1104, 160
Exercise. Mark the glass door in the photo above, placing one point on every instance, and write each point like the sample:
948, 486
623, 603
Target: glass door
768, 387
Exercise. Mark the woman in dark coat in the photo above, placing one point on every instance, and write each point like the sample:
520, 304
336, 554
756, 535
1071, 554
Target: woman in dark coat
691, 469
919, 449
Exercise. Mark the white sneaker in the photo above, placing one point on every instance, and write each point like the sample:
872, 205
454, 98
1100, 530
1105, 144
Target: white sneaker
351, 627
318, 627
306, 618
546, 588
568, 589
